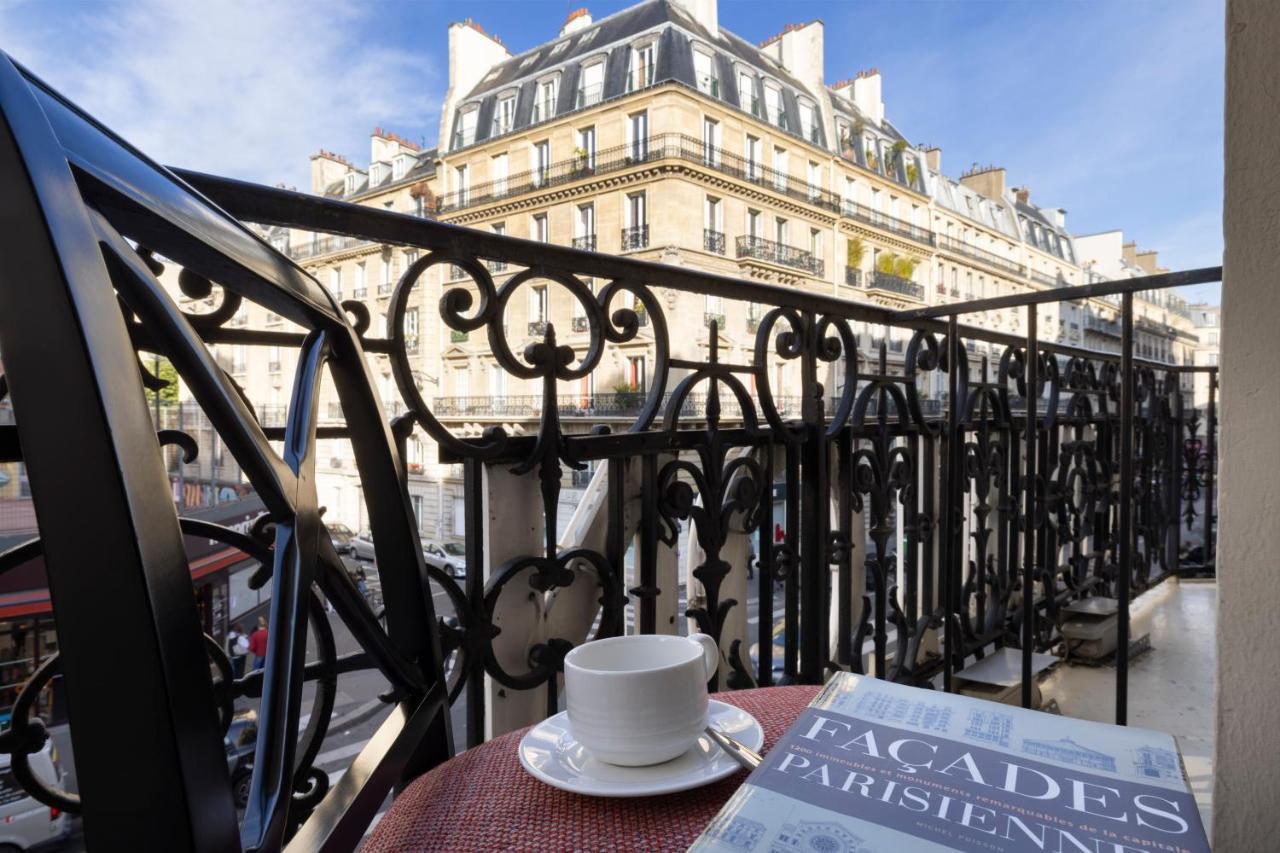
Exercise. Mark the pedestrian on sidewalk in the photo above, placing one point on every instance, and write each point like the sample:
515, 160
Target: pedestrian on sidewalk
238, 649
258, 644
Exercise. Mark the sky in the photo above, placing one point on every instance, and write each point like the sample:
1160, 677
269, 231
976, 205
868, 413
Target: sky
1111, 109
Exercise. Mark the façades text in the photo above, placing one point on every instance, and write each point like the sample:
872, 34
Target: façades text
949, 781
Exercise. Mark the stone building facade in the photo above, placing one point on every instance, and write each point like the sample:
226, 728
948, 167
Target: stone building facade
658, 134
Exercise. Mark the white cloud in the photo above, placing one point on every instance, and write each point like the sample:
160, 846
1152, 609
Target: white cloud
244, 89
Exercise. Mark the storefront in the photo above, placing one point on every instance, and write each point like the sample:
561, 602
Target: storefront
27, 633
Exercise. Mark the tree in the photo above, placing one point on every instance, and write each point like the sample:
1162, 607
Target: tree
855, 251
161, 368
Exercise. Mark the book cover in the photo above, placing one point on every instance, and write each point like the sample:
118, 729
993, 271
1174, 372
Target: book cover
871, 767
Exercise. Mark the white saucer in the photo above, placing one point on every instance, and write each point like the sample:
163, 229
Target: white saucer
551, 754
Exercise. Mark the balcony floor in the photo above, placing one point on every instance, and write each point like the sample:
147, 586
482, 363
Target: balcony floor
1170, 686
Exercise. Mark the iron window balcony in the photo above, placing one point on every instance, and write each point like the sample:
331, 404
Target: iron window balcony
580, 323
1046, 279
713, 241
758, 248
709, 317
959, 247
359, 292
586, 241
636, 237
878, 280
537, 328
588, 96
853, 210
385, 288
853, 277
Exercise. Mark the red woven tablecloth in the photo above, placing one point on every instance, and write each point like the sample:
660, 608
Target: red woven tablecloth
484, 800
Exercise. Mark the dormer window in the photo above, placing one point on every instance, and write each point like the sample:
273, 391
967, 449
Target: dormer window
559, 48
642, 72
528, 60
773, 104
808, 121
401, 166
704, 72
352, 182
504, 117
590, 83
747, 94
588, 37
466, 132
544, 107
378, 172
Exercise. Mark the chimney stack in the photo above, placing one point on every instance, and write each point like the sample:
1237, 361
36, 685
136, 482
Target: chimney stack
579, 19
472, 53
933, 158
867, 95
702, 11
985, 180
1022, 194
326, 168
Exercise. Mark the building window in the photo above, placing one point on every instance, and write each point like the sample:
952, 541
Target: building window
747, 94
400, 166
352, 178
773, 105
411, 329
637, 213
591, 84
586, 152
710, 141
584, 227
539, 232
704, 73
753, 158
808, 122
498, 171
713, 225
780, 169
504, 118
361, 284
538, 304
335, 282
541, 162
815, 243
462, 183
781, 228
815, 180
545, 106
755, 223
384, 286
498, 380
637, 374
466, 128
642, 66
638, 136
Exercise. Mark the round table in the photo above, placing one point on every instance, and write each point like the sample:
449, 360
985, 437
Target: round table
483, 800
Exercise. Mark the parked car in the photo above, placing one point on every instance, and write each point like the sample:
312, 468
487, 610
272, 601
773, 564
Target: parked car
449, 558
362, 547
341, 536
240, 740
26, 823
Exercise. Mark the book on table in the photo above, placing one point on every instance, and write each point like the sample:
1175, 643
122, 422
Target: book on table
871, 767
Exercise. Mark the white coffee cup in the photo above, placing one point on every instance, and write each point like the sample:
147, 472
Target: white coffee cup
641, 699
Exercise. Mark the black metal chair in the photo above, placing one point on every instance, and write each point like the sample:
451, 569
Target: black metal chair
84, 222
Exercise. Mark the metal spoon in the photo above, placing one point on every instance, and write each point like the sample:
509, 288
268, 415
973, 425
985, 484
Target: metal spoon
739, 752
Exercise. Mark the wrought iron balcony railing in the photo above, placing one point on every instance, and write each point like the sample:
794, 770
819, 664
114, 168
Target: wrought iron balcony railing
758, 248
993, 548
990, 258
877, 280
713, 241
680, 147
1046, 279
635, 237
586, 241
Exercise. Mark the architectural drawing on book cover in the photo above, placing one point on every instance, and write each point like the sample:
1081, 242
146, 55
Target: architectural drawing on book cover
1067, 751
988, 726
1156, 763
738, 833
817, 837
875, 705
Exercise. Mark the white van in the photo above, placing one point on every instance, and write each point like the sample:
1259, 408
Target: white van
27, 823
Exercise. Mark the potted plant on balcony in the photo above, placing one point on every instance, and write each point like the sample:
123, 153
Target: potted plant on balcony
854, 251
581, 160
913, 174
626, 397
